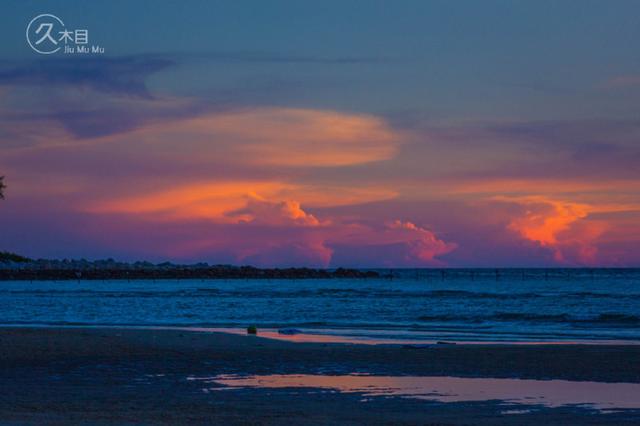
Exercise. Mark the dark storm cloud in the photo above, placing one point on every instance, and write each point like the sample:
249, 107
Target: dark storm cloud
127, 75
118, 75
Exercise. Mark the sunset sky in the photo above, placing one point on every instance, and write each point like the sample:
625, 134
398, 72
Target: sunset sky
325, 134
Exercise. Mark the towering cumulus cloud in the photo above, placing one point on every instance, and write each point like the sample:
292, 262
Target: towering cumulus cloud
395, 244
558, 225
283, 213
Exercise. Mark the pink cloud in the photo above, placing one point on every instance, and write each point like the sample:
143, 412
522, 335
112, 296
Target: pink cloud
283, 232
268, 232
395, 244
282, 213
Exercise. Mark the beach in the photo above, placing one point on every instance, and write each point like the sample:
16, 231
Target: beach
157, 376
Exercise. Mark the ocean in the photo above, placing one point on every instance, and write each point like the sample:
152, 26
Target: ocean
481, 305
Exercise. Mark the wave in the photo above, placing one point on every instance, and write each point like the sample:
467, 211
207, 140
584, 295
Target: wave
500, 316
519, 316
309, 293
613, 318
618, 318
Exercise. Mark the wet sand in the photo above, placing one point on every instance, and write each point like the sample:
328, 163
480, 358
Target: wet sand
125, 376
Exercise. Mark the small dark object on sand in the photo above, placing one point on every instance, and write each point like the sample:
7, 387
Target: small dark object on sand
445, 343
252, 329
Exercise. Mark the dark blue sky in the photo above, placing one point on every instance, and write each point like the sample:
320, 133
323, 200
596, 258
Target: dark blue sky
438, 59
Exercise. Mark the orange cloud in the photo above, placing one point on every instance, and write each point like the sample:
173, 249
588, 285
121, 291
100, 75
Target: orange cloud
291, 137
543, 218
197, 201
558, 225
257, 141
263, 212
215, 200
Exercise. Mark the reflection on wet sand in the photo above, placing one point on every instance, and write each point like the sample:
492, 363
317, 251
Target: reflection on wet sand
547, 393
393, 337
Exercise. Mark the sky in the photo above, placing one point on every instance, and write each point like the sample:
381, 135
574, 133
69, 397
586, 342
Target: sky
324, 134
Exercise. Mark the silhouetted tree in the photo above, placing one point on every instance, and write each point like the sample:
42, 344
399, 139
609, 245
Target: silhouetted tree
2, 187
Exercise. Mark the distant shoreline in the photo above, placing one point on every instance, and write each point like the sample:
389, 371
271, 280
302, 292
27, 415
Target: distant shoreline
179, 272
64, 270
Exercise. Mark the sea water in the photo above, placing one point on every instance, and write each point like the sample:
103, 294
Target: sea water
413, 305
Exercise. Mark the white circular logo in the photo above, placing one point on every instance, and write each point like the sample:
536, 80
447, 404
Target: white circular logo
43, 33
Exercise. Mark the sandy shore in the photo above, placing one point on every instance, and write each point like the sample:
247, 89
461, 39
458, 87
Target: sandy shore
124, 376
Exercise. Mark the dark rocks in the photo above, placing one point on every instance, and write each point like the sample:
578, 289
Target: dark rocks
17, 269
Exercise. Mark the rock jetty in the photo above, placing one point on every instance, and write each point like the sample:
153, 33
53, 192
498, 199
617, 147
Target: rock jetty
13, 267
